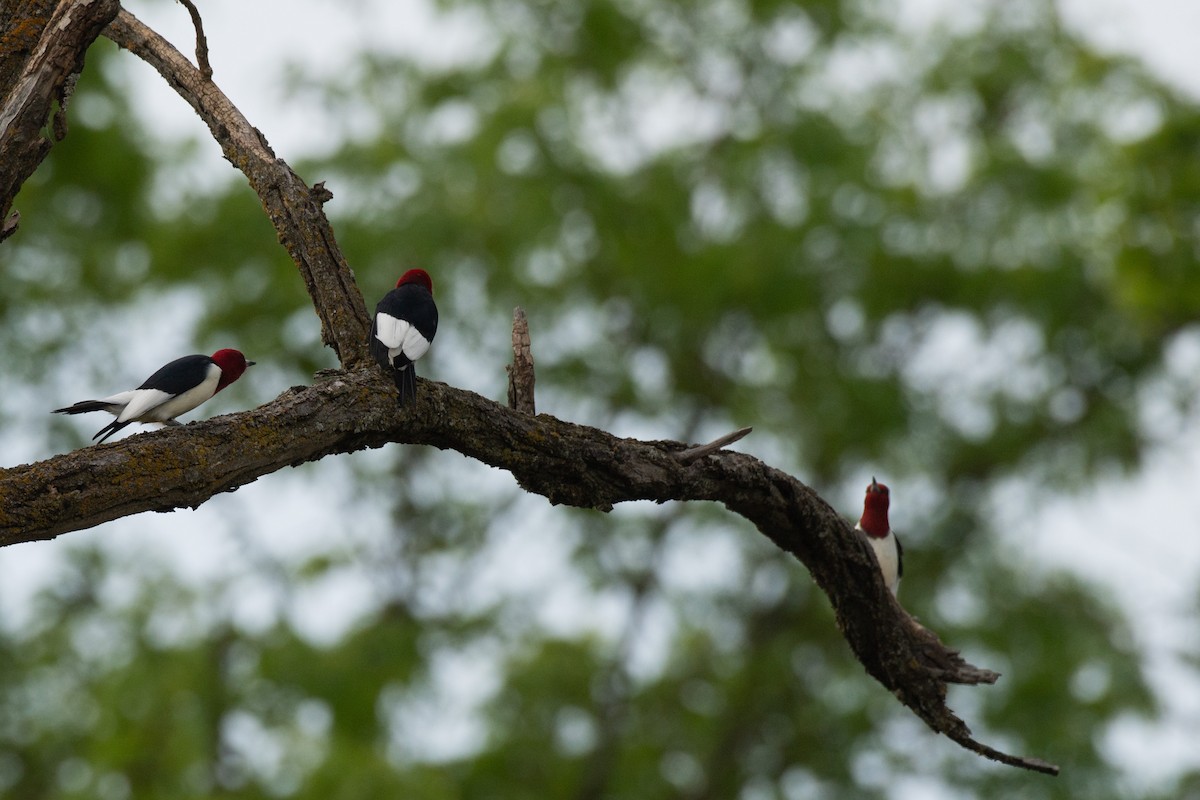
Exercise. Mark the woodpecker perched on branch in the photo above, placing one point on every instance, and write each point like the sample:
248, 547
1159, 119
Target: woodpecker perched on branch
406, 320
874, 523
175, 389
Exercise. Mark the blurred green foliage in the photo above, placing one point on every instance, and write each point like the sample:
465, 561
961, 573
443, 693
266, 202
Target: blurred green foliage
947, 257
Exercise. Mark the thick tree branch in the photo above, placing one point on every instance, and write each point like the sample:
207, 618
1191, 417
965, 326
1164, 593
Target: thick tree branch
293, 208
566, 463
33, 112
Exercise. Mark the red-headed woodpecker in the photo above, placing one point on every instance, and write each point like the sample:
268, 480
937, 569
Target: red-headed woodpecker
175, 389
405, 321
874, 524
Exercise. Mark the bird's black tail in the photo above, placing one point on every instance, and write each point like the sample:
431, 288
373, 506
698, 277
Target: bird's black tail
406, 384
108, 430
84, 406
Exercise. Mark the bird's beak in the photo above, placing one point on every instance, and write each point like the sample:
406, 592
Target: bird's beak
874, 485
251, 363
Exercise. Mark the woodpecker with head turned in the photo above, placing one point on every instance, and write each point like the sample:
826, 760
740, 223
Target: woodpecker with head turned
406, 320
874, 523
175, 389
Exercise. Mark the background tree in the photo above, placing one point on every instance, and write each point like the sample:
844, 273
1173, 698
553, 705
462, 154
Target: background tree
955, 257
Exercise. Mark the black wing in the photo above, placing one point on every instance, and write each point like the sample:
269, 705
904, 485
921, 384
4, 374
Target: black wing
179, 375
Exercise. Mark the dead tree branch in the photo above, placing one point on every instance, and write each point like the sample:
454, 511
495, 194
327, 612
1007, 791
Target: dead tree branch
293, 208
521, 376
701, 450
201, 41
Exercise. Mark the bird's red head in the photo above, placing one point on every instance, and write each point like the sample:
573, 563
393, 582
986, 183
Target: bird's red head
232, 364
875, 510
417, 276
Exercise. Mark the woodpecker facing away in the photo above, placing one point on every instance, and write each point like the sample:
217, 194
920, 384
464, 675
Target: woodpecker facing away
175, 389
406, 320
874, 524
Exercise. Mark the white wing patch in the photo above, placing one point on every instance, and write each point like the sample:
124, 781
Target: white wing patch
400, 336
390, 330
118, 401
142, 403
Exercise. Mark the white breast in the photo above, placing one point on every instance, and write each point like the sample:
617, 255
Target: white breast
888, 557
